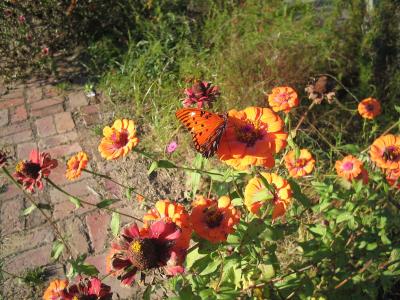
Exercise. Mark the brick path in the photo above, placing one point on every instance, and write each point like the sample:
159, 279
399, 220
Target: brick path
33, 115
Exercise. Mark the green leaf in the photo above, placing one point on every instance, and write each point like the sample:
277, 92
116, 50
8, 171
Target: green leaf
319, 230
88, 270
57, 249
345, 216
267, 271
397, 108
153, 167
28, 210
372, 246
237, 202
351, 148
166, 164
105, 203
128, 193
75, 201
115, 223
192, 257
262, 195
298, 195
147, 292
212, 267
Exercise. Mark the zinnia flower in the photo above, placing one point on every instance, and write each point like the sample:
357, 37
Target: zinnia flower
30, 172
303, 165
141, 250
283, 98
369, 108
88, 288
213, 220
172, 147
171, 212
75, 165
252, 137
257, 194
201, 93
55, 291
118, 140
3, 159
350, 168
385, 152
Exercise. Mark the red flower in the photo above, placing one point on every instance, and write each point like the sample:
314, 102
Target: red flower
145, 249
30, 172
86, 288
200, 93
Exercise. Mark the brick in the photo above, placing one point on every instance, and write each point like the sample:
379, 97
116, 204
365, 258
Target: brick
11, 219
47, 111
90, 109
33, 94
77, 99
46, 103
64, 150
11, 102
17, 138
113, 188
29, 259
45, 126
12, 94
56, 140
64, 122
99, 261
9, 191
75, 229
3, 117
97, 225
78, 189
50, 91
19, 114
23, 150
15, 128
26, 240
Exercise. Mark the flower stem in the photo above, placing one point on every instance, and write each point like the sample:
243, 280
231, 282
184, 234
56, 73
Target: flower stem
34, 203
145, 154
116, 182
303, 117
198, 171
90, 204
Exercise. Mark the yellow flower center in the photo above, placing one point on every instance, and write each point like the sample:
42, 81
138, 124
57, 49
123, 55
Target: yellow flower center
248, 134
136, 246
75, 298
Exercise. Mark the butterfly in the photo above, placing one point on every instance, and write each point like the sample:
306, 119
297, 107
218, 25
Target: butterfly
206, 128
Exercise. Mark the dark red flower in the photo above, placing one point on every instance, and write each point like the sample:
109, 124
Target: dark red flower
30, 172
200, 93
88, 289
144, 249
3, 159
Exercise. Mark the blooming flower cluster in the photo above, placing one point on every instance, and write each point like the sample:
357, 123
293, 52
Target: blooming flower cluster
201, 93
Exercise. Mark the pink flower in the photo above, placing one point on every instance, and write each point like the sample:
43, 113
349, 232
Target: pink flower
172, 147
45, 50
31, 172
200, 93
21, 19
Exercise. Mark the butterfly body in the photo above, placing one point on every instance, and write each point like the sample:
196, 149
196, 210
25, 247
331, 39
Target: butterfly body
206, 128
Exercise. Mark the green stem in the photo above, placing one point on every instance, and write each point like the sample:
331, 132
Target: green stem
30, 198
198, 171
88, 203
145, 154
114, 181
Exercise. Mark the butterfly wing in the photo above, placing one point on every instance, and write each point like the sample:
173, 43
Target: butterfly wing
206, 128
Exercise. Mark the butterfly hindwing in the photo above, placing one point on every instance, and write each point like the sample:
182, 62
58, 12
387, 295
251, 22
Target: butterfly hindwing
206, 128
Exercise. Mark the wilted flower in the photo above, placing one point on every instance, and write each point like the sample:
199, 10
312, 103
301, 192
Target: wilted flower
31, 172
201, 93
118, 140
369, 108
149, 248
172, 147
283, 98
393, 177
320, 89
300, 166
55, 291
350, 168
257, 194
385, 152
252, 137
75, 165
171, 212
212, 219
3, 159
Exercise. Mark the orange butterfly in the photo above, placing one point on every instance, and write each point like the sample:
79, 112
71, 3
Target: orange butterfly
206, 128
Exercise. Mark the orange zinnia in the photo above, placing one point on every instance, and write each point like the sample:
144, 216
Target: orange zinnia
385, 152
300, 166
75, 165
283, 98
55, 291
351, 168
118, 140
369, 108
171, 212
213, 220
281, 196
252, 137
393, 177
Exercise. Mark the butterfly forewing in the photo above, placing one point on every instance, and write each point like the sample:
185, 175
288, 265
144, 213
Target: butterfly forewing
206, 128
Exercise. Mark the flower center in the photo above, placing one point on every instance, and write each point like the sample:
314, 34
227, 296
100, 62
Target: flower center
300, 163
392, 153
248, 134
369, 107
144, 253
76, 165
347, 166
120, 139
29, 169
281, 98
213, 217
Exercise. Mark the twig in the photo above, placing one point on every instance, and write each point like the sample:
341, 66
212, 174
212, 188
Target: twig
30, 198
362, 270
384, 133
304, 116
